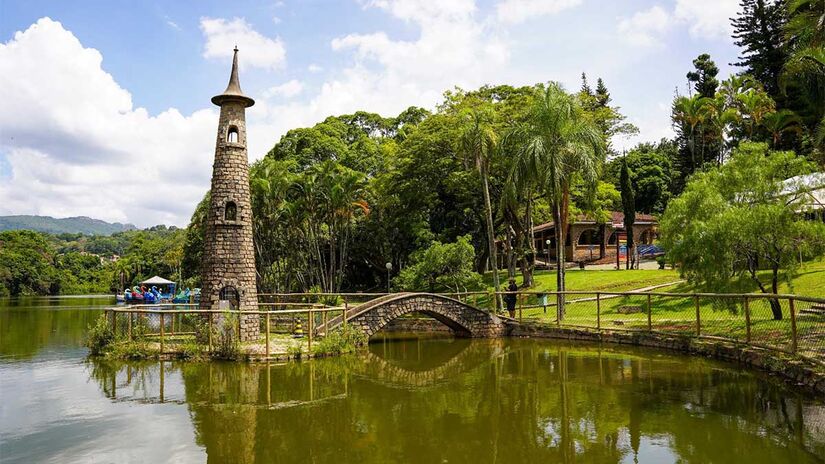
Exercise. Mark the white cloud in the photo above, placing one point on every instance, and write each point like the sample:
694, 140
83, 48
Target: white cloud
314, 68
288, 89
172, 24
646, 27
77, 145
707, 18
517, 11
258, 51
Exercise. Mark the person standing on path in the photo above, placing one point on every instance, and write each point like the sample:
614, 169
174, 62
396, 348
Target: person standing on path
510, 298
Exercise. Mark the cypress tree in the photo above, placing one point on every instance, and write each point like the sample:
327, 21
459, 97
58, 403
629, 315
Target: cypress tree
758, 30
628, 208
586, 86
602, 95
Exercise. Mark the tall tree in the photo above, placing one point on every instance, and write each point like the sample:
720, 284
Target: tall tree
805, 69
558, 143
629, 210
703, 76
737, 226
479, 142
758, 30
602, 94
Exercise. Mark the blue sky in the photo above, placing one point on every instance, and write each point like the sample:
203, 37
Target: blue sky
108, 111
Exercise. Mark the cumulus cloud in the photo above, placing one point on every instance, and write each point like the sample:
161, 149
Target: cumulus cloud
707, 18
517, 11
645, 27
77, 145
288, 89
259, 51
386, 75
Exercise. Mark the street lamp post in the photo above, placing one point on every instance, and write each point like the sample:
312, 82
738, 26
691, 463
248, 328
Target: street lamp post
389, 268
547, 242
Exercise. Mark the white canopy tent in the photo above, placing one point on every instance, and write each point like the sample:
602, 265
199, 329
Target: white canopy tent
157, 280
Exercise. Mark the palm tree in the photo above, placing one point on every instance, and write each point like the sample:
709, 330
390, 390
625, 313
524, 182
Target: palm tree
780, 122
754, 105
557, 143
479, 142
690, 113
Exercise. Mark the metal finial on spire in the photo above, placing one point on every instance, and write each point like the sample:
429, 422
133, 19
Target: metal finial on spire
233, 89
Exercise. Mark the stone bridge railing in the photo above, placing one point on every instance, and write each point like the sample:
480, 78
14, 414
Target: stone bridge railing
462, 318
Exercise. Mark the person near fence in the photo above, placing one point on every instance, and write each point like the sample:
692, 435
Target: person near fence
510, 298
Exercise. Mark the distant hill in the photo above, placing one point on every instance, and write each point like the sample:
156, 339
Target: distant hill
71, 225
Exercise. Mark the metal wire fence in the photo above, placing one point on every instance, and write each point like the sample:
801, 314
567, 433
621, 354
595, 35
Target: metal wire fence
786, 323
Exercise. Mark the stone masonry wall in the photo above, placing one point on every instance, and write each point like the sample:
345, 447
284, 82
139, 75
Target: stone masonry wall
229, 257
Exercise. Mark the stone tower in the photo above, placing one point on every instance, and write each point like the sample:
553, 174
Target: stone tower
228, 267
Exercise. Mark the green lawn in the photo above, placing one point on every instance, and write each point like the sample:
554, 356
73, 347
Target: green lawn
587, 280
723, 317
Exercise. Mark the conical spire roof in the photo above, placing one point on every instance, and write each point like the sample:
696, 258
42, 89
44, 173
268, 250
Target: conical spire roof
233, 91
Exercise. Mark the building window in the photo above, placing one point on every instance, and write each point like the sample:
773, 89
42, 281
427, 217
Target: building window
230, 213
232, 135
230, 294
590, 237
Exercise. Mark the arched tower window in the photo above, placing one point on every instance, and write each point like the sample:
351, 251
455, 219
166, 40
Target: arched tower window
230, 212
232, 135
230, 294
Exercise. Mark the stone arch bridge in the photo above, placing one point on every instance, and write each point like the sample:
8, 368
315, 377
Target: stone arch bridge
463, 319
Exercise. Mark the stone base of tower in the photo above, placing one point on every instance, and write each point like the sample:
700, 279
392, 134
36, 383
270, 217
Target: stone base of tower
250, 327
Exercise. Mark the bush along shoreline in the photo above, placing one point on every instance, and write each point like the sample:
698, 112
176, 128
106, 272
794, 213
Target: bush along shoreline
103, 341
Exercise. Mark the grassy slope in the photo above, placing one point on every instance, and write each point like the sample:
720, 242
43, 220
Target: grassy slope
721, 317
608, 280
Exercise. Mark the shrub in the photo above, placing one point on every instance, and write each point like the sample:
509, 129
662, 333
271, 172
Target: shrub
227, 345
346, 340
99, 336
295, 351
131, 350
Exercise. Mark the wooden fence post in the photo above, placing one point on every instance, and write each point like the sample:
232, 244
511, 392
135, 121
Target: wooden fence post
747, 320
311, 327
794, 344
162, 323
210, 332
598, 311
344, 313
130, 325
649, 314
114, 322
521, 309
558, 309
267, 334
698, 320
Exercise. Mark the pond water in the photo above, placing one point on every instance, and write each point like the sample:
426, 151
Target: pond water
408, 399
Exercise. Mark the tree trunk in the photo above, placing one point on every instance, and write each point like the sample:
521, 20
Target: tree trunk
490, 233
529, 261
559, 260
511, 255
776, 307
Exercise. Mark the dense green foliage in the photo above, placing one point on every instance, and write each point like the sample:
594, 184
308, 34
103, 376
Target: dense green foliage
736, 220
34, 263
441, 267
